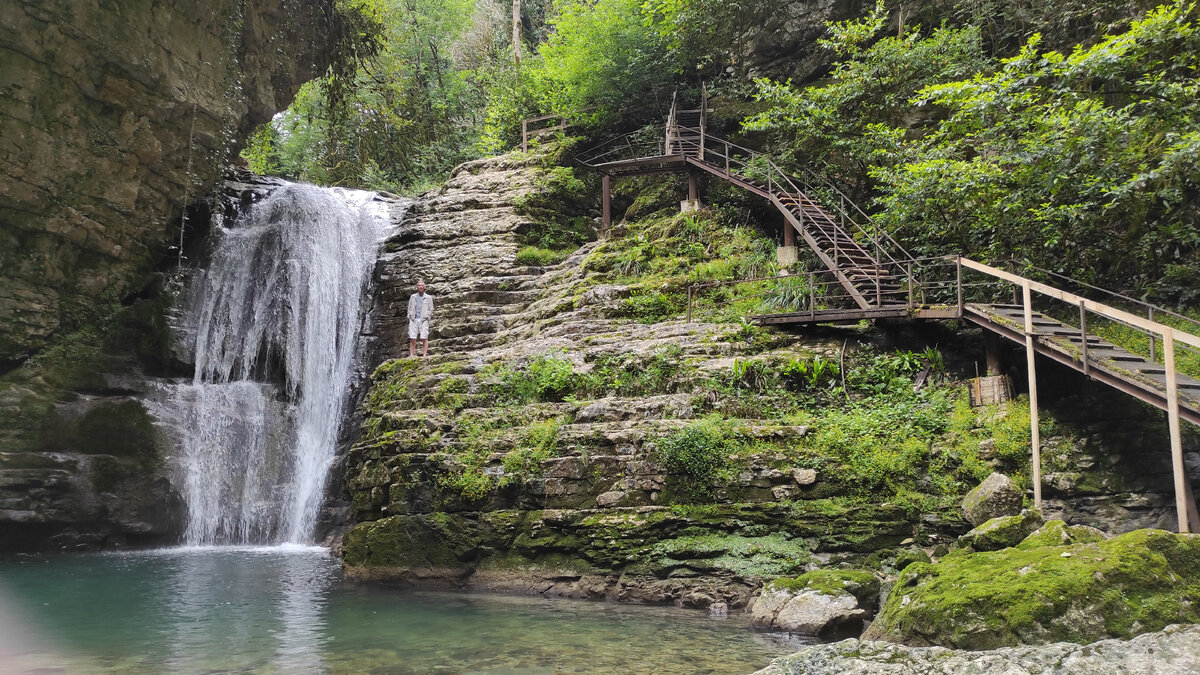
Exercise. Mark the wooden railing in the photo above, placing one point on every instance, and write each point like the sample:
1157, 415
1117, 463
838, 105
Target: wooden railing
538, 127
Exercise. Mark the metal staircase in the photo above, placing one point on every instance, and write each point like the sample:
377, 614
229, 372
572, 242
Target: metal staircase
883, 280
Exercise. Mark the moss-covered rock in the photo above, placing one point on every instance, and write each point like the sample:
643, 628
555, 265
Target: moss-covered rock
1134, 583
863, 585
822, 602
1058, 533
1001, 532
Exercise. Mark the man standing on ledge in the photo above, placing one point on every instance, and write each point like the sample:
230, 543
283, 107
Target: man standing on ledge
420, 308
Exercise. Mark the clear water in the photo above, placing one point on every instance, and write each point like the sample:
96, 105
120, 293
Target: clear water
285, 610
272, 325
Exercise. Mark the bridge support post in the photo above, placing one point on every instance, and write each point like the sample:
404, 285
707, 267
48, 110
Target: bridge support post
1035, 441
693, 187
605, 201
1177, 467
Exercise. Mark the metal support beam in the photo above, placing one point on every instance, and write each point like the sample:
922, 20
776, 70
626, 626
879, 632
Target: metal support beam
1035, 440
1181, 505
605, 201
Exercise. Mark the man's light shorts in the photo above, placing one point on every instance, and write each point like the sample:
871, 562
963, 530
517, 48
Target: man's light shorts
418, 330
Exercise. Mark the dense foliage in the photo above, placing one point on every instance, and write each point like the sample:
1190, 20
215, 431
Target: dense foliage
1062, 136
1083, 163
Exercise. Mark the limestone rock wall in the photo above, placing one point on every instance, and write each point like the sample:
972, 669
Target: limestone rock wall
452, 484
598, 515
115, 115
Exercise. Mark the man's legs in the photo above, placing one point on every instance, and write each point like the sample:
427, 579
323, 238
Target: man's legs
412, 347
425, 347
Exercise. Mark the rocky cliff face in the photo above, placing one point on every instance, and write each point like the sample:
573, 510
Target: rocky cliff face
115, 116
551, 443
473, 471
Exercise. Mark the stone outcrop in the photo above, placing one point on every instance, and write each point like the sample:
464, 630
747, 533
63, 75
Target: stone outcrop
1001, 532
116, 116
1134, 583
824, 602
996, 496
527, 452
1172, 651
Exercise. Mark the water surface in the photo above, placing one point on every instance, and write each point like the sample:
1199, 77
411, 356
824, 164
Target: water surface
286, 610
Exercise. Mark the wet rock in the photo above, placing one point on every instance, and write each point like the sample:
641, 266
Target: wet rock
1172, 651
818, 603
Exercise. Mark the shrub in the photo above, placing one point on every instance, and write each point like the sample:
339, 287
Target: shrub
545, 378
699, 454
540, 257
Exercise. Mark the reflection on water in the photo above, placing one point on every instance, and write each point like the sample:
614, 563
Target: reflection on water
285, 610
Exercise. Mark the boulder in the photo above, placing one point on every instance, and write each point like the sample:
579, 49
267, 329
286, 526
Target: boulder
996, 496
824, 602
1172, 651
1058, 533
908, 556
1134, 583
1002, 532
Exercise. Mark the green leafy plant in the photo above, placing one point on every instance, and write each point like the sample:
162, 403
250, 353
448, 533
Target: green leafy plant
700, 455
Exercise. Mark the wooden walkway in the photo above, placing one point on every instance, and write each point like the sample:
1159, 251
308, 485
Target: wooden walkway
881, 280
1099, 359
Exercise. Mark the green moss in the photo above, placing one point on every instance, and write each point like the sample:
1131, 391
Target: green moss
1058, 533
1133, 583
1001, 532
864, 586
748, 558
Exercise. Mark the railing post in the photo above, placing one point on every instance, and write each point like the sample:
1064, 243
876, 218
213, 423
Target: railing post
726, 158
812, 295
605, 201
1181, 510
1083, 334
689, 309
1035, 441
1151, 317
958, 283
524, 135
910, 285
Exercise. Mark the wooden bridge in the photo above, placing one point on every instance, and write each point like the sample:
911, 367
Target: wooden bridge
871, 277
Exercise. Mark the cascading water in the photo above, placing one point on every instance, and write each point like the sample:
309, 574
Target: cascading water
273, 325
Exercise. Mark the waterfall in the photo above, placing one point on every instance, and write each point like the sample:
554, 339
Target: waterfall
272, 325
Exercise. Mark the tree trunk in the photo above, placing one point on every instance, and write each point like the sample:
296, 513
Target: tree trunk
517, 32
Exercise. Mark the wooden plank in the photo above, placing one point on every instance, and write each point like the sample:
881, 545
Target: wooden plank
823, 315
